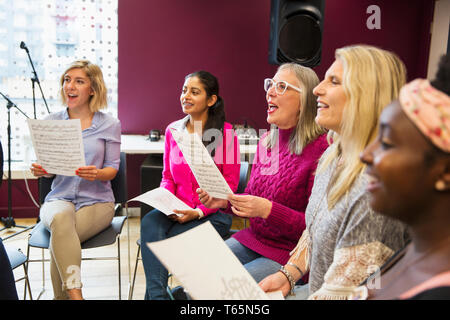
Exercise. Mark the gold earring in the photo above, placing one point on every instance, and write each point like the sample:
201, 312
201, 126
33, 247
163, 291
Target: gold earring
440, 185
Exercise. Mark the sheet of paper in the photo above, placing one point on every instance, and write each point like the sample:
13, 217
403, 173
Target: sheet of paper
202, 165
206, 267
58, 145
275, 295
163, 200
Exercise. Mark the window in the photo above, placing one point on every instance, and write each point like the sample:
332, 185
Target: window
56, 32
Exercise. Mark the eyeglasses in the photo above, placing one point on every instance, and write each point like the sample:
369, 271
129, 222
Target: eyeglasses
280, 86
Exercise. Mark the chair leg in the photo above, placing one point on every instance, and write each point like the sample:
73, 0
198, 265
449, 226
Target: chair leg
43, 274
26, 271
128, 246
130, 294
118, 255
169, 292
128, 240
27, 284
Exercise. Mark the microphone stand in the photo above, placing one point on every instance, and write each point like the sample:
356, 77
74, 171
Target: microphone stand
34, 80
9, 221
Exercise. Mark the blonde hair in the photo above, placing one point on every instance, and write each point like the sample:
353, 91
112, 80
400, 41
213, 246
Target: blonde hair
306, 129
99, 99
372, 78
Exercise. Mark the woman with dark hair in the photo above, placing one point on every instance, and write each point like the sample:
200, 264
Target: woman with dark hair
205, 116
409, 165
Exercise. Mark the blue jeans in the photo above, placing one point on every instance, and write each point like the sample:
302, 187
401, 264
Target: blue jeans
156, 226
257, 265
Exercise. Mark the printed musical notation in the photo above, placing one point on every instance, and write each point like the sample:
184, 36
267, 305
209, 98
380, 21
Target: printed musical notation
239, 288
202, 165
206, 267
58, 145
163, 200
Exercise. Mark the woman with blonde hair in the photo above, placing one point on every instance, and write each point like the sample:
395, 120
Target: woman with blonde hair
80, 206
345, 240
282, 174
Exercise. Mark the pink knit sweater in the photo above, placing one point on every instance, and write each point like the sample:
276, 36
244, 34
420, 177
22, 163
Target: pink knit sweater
287, 182
178, 178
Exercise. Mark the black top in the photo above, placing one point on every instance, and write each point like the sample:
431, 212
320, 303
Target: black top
438, 293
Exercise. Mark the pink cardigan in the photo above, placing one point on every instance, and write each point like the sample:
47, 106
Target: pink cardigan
178, 178
288, 187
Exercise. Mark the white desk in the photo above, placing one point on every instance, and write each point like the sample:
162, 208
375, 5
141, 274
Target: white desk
140, 144
131, 144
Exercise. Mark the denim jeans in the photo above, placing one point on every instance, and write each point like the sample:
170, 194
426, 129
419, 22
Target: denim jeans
156, 226
301, 293
257, 265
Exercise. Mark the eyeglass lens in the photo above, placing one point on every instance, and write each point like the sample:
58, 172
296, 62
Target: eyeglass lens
280, 87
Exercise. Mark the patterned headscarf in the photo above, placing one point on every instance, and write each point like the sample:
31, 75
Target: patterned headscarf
429, 110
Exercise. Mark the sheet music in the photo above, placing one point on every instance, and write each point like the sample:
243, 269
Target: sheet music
163, 200
202, 165
206, 267
58, 145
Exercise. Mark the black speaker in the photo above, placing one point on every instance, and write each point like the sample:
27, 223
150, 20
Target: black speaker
296, 31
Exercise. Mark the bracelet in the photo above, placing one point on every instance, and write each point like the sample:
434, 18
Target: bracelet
296, 267
290, 278
200, 213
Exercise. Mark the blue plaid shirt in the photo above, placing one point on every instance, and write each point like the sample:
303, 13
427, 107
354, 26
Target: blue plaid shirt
101, 148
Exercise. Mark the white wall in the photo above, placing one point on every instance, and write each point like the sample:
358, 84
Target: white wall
439, 35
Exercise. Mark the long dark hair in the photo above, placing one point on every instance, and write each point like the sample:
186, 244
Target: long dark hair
216, 113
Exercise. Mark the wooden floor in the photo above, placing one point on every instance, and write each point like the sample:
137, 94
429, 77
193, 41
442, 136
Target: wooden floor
99, 278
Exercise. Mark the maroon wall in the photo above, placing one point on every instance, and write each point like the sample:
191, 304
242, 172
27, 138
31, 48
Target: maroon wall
162, 41
230, 39
175, 38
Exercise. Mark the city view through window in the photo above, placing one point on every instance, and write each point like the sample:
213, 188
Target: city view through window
56, 33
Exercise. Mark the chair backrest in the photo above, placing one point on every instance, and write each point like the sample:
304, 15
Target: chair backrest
118, 184
244, 174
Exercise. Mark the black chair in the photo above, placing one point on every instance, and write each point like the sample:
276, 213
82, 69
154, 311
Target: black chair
244, 175
16, 259
40, 236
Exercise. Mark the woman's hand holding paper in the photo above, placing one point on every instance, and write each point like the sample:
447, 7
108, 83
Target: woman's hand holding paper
211, 202
248, 206
187, 215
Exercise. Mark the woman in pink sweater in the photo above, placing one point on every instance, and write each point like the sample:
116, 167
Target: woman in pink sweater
282, 174
204, 108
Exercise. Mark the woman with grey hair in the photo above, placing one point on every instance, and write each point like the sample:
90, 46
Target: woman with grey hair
282, 174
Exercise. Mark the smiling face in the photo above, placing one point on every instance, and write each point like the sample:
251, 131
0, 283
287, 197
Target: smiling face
331, 98
77, 89
194, 100
284, 110
401, 170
